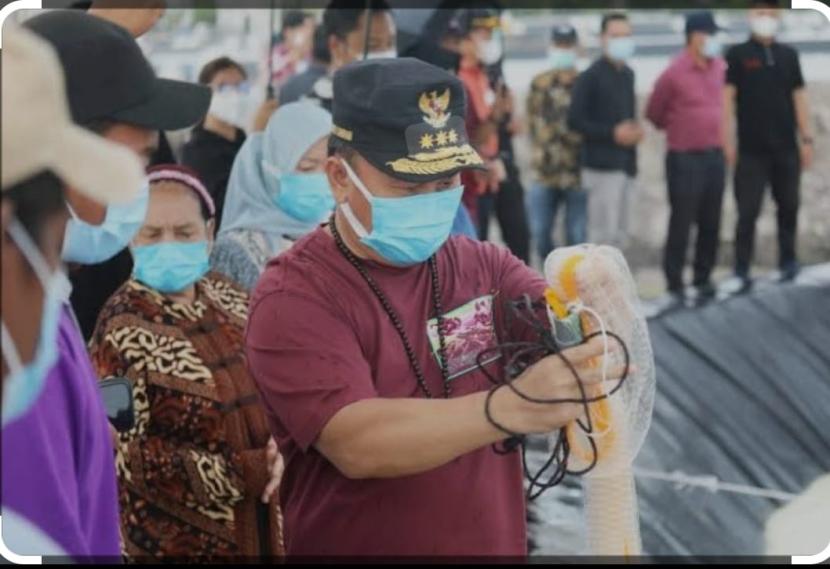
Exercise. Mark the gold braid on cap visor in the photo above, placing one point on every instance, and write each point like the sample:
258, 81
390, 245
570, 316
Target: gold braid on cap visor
442, 160
490, 22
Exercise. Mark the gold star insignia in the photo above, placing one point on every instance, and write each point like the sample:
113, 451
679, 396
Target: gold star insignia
452, 136
426, 141
441, 138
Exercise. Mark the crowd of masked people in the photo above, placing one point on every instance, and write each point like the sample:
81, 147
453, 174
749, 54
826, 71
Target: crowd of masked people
119, 262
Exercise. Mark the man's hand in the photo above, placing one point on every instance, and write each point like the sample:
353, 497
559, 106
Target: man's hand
550, 378
263, 114
628, 133
276, 466
496, 174
806, 152
137, 19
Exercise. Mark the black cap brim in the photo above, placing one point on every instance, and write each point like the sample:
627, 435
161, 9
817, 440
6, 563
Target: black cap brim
174, 105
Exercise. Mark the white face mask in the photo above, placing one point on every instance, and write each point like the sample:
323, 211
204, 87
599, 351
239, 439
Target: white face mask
230, 105
389, 53
298, 40
764, 26
490, 52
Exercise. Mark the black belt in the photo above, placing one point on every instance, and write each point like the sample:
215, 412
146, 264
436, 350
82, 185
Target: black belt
711, 150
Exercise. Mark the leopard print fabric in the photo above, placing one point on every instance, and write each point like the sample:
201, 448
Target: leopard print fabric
185, 484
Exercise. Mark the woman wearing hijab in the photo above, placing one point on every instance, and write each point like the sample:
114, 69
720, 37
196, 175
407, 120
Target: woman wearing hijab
198, 471
277, 192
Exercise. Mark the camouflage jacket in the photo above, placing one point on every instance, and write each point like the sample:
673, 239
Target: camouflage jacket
556, 149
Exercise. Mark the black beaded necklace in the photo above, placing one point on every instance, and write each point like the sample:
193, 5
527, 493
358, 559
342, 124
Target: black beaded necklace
396, 321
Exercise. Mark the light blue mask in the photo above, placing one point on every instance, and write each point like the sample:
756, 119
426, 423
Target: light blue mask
559, 58
90, 244
405, 231
25, 382
171, 266
621, 49
305, 196
712, 47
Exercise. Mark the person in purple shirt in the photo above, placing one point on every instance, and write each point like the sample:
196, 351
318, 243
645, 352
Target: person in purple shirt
687, 103
63, 476
56, 499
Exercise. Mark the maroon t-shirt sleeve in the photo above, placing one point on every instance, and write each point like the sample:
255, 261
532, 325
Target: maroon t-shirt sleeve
306, 361
514, 279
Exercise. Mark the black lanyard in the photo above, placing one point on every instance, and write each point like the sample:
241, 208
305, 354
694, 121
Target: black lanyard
396, 321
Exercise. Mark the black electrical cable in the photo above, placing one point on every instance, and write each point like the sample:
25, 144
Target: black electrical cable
517, 357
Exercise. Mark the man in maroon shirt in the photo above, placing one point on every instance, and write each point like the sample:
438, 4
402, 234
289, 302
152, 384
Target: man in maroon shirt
363, 341
687, 102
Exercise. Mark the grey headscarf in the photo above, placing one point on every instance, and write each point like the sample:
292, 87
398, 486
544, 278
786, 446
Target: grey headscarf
250, 202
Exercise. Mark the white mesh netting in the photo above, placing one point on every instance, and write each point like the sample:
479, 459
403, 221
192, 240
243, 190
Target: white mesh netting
605, 290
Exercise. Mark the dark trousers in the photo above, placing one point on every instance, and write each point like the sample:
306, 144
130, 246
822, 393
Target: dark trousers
754, 172
695, 182
509, 204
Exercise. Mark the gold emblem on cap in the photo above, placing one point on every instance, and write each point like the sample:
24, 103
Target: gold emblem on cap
434, 107
341, 132
437, 161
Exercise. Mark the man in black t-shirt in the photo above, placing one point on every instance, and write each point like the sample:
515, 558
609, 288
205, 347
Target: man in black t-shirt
765, 90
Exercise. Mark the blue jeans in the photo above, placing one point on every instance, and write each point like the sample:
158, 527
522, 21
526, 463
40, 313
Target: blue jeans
544, 203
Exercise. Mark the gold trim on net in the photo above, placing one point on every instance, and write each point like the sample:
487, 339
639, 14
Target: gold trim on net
437, 162
341, 132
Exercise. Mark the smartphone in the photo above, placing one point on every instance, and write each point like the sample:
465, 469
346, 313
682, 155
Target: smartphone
117, 393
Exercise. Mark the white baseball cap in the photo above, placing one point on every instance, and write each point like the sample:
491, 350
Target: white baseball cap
39, 135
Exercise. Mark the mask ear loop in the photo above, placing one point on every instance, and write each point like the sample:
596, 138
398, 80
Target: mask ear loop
50, 281
271, 169
9, 349
578, 307
357, 226
31, 252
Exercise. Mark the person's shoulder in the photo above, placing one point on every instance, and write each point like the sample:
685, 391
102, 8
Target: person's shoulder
738, 49
543, 80
786, 49
132, 300
226, 296
297, 270
468, 251
679, 63
596, 66
220, 281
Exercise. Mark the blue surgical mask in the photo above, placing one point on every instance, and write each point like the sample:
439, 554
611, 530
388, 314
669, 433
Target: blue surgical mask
305, 196
621, 49
712, 47
405, 231
562, 58
25, 382
90, 244
171, 266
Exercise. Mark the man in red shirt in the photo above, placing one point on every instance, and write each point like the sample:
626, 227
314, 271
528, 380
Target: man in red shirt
363, 341
687, 102
474, 35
